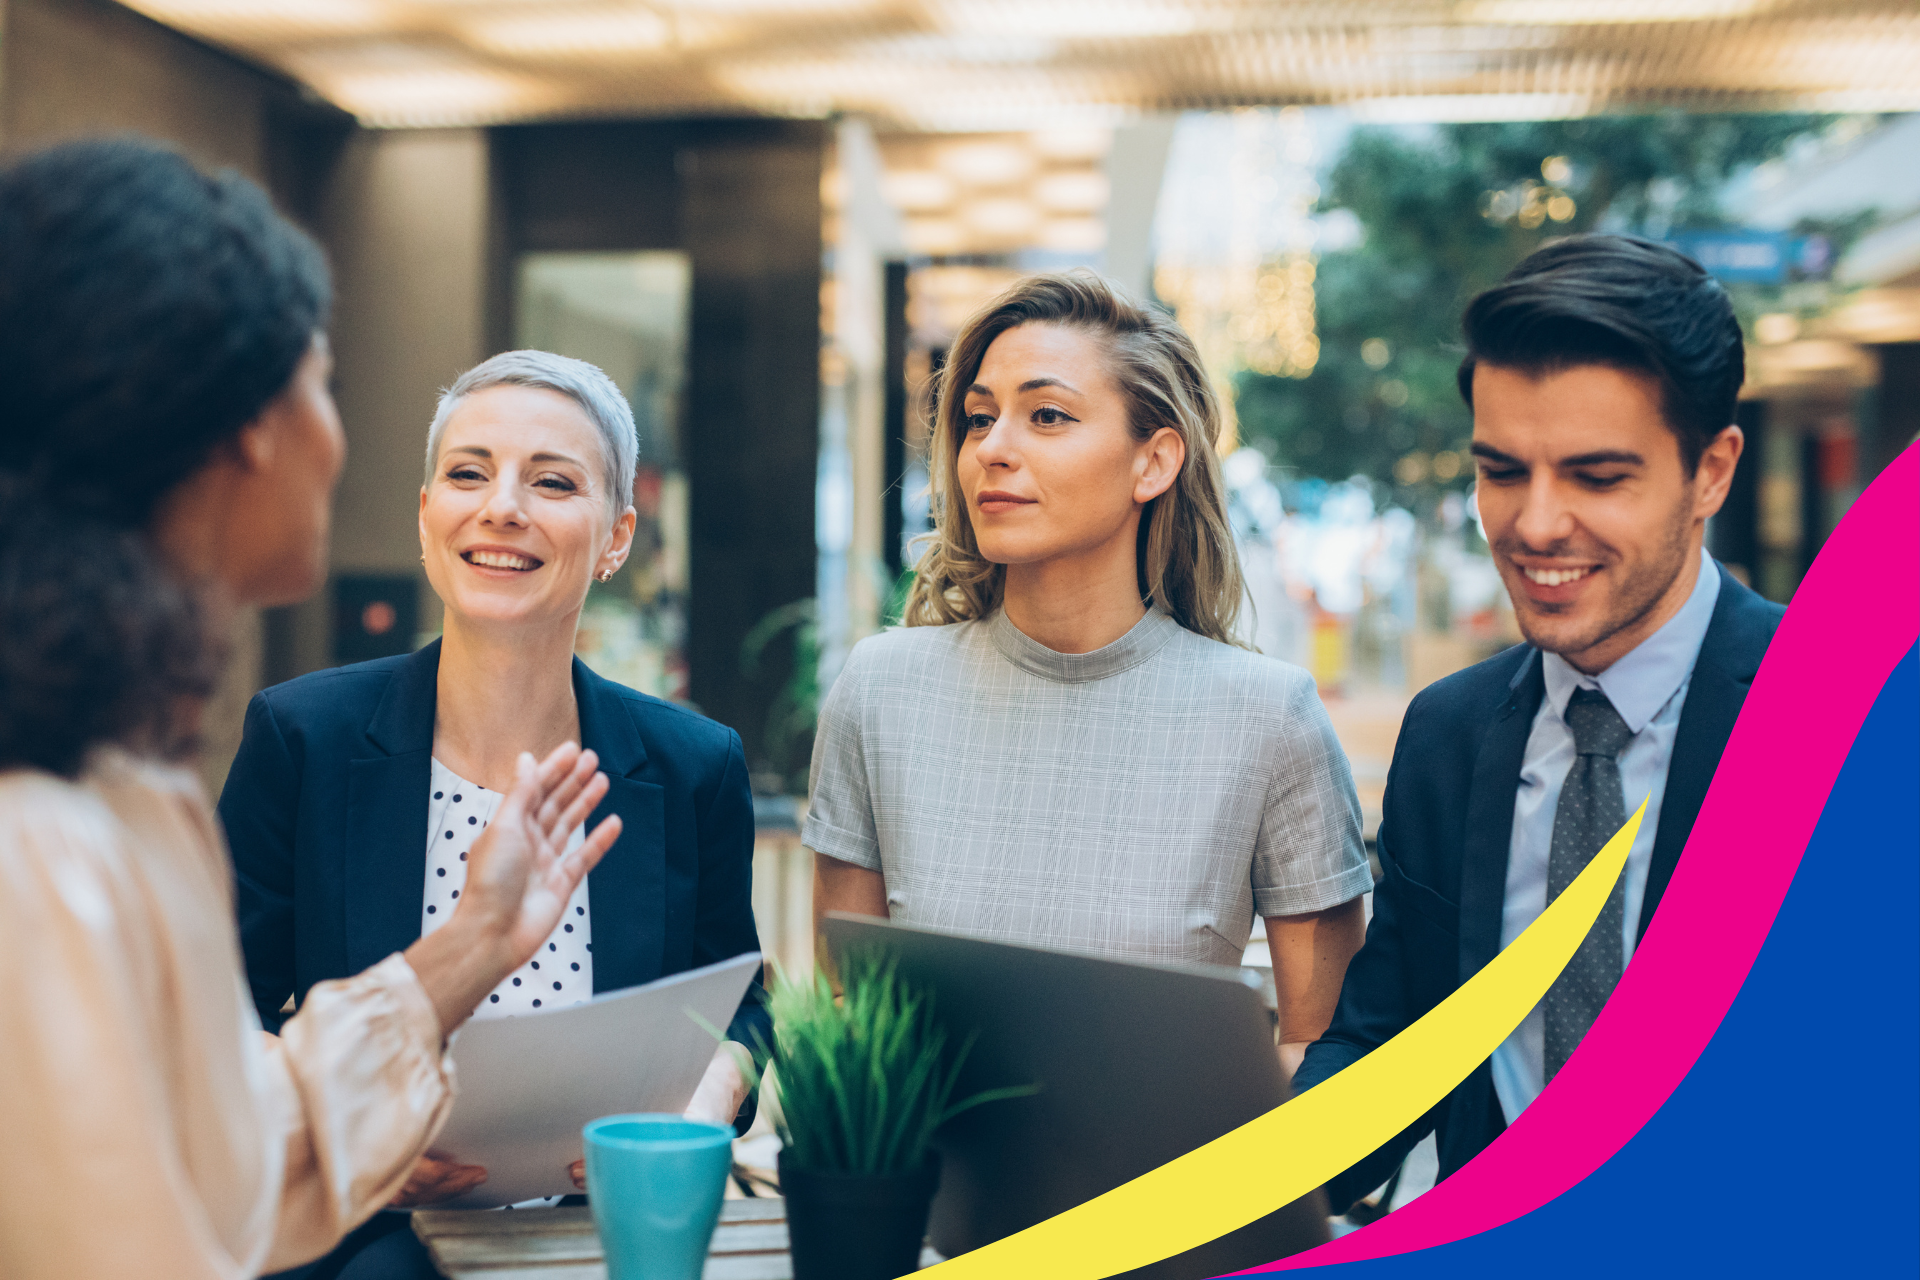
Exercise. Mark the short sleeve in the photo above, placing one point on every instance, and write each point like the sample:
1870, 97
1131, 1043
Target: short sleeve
1309, 855
840, 806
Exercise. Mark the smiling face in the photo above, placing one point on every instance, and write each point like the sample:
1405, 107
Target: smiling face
514, 523
1594, 523
1048, 460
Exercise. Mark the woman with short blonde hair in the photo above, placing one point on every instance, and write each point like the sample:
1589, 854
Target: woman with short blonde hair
1067, 745
358, 792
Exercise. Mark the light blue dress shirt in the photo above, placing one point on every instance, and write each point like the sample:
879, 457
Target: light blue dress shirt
1648, 687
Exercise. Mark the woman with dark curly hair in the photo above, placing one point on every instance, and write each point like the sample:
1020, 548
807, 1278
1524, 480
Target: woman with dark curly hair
168, 447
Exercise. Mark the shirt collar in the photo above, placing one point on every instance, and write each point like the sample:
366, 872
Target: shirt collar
1648, 675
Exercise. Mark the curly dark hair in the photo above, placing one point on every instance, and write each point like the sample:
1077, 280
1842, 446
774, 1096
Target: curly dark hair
148, 312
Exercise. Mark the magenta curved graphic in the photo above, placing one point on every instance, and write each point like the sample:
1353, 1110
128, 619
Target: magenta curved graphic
1860, 599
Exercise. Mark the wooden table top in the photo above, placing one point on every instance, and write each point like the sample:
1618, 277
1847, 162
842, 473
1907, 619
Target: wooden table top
559, 1244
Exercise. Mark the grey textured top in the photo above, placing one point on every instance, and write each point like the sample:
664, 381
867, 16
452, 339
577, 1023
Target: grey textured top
1141, 801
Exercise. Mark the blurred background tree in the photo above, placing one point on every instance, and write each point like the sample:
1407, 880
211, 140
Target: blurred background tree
1444, 213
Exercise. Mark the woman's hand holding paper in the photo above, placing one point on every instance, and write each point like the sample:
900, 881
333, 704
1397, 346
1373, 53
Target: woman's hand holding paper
717, 1100
722, 1089
435, 1179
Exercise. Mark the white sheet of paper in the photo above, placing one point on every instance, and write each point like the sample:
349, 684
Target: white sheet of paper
526, 1085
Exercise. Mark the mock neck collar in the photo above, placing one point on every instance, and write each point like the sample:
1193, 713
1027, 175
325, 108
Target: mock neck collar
1146, 638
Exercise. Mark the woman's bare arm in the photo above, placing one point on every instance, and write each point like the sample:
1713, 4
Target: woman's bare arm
841, 886
1310, 954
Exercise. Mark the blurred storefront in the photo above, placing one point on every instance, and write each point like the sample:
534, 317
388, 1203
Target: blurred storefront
1833, 387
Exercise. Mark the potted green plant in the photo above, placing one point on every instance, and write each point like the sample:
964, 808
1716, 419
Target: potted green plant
861, 1083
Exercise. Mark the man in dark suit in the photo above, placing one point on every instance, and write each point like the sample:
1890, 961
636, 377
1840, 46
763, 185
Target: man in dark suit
1602, 374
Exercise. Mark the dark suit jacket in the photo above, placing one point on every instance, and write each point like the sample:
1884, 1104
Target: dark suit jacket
326, 813
1445, 827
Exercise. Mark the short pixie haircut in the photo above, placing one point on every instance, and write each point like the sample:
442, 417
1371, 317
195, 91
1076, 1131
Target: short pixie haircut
584, 384
1626, 303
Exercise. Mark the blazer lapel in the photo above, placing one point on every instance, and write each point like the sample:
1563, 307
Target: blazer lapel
1729, 658
387, 811
627, 891
1483, 859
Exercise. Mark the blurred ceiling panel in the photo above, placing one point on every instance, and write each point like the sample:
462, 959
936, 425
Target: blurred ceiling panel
982, 65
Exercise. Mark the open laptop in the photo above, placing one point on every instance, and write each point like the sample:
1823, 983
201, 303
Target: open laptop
1137, 1063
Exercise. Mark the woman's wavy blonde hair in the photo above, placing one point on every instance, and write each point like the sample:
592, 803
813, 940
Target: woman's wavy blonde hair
1186, 558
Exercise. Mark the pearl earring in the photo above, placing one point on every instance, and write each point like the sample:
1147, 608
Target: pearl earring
606, 575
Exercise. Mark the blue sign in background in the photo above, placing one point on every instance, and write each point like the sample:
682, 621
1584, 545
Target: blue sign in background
1757, 257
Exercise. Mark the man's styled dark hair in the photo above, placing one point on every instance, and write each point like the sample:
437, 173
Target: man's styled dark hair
1623, 302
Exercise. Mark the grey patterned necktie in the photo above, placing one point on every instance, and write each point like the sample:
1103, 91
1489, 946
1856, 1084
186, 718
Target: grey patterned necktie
1592, 808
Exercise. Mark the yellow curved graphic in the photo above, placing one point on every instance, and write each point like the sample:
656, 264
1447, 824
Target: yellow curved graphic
1294, 1148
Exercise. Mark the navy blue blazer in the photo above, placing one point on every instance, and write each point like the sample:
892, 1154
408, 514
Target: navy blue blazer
1445, 828
326, 814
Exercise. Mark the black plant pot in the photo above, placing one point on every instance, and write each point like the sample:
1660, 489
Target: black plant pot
850, 1226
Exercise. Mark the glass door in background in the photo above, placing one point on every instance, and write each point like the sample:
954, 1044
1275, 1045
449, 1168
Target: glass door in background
627, 313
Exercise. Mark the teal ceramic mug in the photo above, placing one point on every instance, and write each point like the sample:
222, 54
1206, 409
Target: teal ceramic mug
655, 1183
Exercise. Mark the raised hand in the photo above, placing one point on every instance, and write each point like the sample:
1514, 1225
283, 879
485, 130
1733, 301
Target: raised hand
519, 877
519, 873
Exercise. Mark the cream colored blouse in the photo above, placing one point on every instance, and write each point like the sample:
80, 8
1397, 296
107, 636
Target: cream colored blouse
148, 1126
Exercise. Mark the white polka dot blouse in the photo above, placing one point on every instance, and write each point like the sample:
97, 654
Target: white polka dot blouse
561, 973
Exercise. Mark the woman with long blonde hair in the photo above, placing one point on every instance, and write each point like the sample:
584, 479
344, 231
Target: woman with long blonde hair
1066, 745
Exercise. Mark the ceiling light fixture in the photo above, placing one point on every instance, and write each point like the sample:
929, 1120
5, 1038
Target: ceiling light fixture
600, 33
1589, 13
